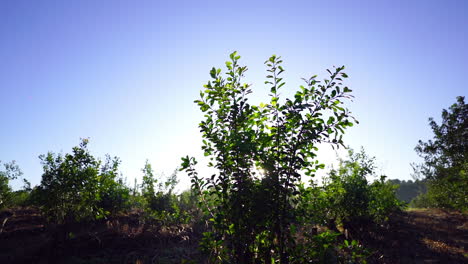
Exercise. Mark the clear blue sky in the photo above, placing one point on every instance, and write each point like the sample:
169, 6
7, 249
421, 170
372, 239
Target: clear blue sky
125, 73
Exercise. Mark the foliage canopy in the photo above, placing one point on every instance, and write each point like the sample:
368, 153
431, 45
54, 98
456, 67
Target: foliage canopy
11, 172
445, 157
260, 153
76, 187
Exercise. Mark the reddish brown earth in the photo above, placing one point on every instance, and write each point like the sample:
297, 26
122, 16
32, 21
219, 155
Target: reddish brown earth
26, 238
420, 236
417, 236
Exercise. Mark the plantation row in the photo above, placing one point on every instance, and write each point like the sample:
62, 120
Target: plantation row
78, 188
256, 209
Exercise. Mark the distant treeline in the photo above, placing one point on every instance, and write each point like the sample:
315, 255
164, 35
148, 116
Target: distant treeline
408, 190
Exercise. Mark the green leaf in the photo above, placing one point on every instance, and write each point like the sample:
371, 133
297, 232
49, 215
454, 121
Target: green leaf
213, 73
233, 55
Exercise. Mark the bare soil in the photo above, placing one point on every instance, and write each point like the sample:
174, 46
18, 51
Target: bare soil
26, 238
420, 236
415, 236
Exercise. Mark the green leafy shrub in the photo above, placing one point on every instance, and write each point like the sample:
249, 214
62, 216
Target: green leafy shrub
445, 166
22, 198
318, 248
445, 193
353, 252
326, 247
347, 190
348, 198
259, 153
11, 172
160, 201
315, 206
158, 194
383, 200
422, 201
188, 202
113, 193
74, 187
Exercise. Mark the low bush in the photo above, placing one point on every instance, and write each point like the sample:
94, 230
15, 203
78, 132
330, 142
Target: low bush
260, 153
347, 198
11, 172
75, 187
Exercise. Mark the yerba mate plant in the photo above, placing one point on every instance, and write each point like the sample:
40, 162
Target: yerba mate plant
260, 153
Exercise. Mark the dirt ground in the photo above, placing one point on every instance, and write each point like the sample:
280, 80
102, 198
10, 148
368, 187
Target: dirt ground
25, 238
415, 236
420, 236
